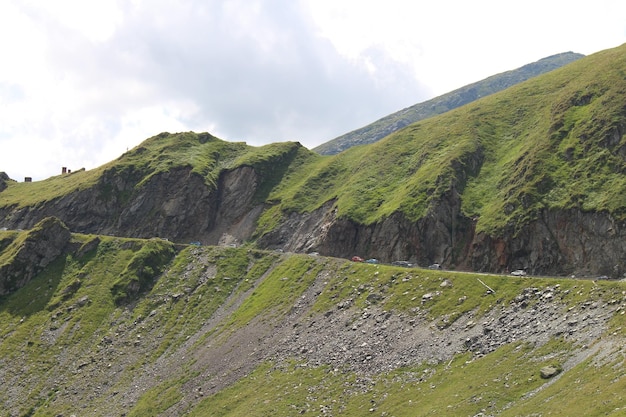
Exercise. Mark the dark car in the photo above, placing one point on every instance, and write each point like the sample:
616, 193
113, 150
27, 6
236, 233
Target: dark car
405, 264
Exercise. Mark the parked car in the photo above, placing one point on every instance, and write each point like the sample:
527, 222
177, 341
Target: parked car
357, 259
434, 266
372, 261
519, 273
405, 264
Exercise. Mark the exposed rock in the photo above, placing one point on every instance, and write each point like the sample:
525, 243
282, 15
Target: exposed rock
557, 243
180, 206
3, 181
548, 372
236, 213
177, 205
83, 301
41, 246
376, 341
88, 247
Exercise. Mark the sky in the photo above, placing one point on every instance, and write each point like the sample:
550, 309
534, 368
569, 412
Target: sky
83, 81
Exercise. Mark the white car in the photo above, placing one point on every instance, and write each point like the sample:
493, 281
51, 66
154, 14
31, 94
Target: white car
519, 273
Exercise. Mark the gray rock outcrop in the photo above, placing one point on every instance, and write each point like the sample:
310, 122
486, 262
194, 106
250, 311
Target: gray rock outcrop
180, 206
548, 372
3, 181
568, 242
31, 254
177, 205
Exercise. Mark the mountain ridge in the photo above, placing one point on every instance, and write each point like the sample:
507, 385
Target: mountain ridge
377, 130
506, 182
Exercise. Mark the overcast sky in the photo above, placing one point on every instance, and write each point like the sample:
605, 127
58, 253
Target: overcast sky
82, 81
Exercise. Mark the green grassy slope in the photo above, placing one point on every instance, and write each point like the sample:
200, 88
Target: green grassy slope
556, 141
69, 345
201, 153
446, 102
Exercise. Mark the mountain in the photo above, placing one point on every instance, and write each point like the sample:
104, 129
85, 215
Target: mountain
185, 187
396, 121
528, 178
110, 326
193, 276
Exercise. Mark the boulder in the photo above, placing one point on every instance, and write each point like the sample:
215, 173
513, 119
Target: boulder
548, 372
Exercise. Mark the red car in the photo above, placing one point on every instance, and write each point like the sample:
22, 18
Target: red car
357, 259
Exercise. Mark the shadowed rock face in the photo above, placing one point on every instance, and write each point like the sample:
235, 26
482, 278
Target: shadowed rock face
44, 244
178, 205
3, 180
559, 243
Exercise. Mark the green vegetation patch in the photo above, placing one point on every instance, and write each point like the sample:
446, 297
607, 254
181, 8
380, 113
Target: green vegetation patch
553, 142
462, 386
442, 294
595, 387
285, 390
139, 275
275, 295
158, 399
24, 194
11, 243
64, 341
199, 281
62, 309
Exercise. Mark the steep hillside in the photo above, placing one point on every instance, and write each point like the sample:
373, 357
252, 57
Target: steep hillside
532, 177
438, 105
118, 326
185, 187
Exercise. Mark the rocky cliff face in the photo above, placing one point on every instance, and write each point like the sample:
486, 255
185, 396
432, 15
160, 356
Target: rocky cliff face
560, 243
395, 238
41, 246
3, 180
179, 206
176, 205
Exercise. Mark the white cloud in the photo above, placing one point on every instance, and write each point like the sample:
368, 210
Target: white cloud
83, 81
450, 43
96, 20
